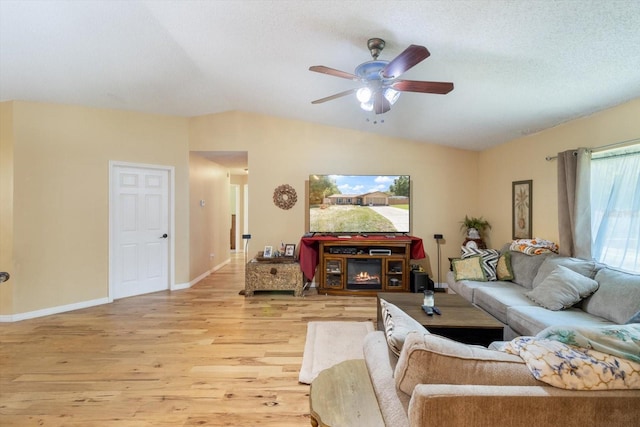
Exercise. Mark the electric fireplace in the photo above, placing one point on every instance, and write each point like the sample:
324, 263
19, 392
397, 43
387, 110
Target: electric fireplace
364, 273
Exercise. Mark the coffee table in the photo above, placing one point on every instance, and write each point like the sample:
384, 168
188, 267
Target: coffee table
460, 320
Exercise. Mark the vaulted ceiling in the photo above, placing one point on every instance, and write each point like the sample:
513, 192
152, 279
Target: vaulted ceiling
518, 66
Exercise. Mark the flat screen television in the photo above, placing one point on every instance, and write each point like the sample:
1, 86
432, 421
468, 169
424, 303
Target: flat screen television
359, 204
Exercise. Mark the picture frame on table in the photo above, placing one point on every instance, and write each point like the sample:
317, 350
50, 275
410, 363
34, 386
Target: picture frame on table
521, 209
289, 250
268, 252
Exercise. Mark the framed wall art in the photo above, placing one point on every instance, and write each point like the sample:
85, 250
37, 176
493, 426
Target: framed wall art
521, 193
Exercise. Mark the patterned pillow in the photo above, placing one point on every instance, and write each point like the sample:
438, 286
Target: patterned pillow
503, 268
397, 324
489, 258
469, 269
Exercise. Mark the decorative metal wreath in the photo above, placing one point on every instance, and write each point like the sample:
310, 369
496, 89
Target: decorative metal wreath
285, 196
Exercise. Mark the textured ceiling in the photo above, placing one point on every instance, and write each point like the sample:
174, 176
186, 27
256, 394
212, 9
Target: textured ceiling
518, 66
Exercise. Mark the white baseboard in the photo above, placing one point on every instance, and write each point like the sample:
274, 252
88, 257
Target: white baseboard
7, 318
53, 310
203, 275
180, 286
219, 266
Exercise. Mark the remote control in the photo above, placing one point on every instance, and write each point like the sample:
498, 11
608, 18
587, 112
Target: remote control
436, 310
428, 310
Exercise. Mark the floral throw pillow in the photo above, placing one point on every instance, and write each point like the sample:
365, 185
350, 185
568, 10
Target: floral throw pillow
469, 269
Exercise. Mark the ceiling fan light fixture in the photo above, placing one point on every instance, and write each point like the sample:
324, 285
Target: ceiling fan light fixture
364, 94
367, 106
392, 95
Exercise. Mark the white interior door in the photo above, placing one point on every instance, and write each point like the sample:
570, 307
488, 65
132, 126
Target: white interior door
140, 230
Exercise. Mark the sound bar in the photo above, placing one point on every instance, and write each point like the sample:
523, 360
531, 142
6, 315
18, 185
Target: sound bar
379, 252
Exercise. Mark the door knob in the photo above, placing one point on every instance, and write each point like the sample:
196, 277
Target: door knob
4, 276
164, 236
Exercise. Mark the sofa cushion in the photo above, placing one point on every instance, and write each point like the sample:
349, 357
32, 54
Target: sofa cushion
529, 320
469, 269
562, 288
467, 288
432, 359
504, 270
525, 267
617, 297
464, 288
496, 300
397, 324
488, 257
584, 267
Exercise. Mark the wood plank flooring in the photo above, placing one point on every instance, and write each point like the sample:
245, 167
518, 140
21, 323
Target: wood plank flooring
204, 356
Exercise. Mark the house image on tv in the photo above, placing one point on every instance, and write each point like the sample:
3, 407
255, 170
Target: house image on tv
376, 198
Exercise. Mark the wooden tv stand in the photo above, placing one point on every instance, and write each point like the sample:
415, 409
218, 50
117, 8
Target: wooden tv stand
385, 260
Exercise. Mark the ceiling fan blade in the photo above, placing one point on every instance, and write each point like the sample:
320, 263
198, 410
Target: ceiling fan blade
440, 88
333, 72
411, 56
337, 95
380, 104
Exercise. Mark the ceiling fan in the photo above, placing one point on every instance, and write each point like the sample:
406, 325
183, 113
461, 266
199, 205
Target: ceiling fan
380, 86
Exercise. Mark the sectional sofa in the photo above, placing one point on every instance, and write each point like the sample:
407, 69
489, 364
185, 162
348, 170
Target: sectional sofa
422, 379
538, 291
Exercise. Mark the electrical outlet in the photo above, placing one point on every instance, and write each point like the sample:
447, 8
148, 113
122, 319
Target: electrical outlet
437, 236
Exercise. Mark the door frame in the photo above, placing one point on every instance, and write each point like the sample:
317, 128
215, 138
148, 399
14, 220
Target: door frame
113, 165
236, 189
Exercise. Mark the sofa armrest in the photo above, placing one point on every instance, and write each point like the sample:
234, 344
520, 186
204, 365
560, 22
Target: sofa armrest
392, 402
445, 405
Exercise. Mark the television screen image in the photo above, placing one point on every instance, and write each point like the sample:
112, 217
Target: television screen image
357, 204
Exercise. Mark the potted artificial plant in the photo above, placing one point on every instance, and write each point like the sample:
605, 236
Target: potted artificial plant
474, 229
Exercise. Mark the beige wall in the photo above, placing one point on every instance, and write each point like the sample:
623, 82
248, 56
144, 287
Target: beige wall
524, 159
6, 204
209, 224
61, 196
54, 186
444, 180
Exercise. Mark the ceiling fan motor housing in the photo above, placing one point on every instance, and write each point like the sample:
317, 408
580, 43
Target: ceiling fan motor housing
375, 46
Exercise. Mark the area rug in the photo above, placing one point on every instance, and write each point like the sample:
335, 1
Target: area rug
329, 343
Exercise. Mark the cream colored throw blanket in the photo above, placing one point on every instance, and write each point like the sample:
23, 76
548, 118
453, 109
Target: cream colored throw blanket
569, 358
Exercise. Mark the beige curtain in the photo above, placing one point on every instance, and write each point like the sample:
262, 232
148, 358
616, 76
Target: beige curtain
574, 203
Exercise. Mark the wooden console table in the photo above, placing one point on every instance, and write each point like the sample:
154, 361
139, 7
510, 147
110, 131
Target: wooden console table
280, 275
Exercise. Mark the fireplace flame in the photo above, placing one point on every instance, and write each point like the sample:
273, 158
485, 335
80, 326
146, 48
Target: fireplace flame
364, 276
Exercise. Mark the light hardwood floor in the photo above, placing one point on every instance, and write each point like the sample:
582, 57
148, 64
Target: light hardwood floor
201, 356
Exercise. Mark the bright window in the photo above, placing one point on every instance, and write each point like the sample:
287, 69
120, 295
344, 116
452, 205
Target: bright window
615, 208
